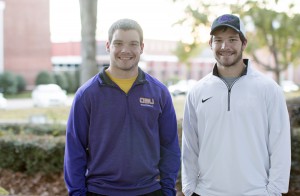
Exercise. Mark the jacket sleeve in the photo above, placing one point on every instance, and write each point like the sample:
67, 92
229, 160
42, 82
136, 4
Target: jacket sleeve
279, 144
169, 164
75, 160
190, 149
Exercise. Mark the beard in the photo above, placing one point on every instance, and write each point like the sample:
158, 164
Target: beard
229, 63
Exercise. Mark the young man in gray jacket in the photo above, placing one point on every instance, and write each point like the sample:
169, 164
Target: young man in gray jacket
236, 131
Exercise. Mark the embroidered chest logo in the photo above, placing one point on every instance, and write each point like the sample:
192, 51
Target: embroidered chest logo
204, 100
146, 101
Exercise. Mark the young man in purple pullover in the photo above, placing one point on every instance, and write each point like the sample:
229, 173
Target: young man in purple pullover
122, 131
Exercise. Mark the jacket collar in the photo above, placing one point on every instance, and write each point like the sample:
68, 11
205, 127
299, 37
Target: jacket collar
104, 79
246, 62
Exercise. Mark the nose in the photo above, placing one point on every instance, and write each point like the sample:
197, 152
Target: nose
125, 48
223, 45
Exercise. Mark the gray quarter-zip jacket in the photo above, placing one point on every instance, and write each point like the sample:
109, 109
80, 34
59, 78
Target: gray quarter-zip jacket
236, 140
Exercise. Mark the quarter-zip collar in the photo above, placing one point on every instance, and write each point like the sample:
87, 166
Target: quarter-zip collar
216, 73
105, 80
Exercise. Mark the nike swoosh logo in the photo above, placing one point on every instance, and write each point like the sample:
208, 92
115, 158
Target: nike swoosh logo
203, 100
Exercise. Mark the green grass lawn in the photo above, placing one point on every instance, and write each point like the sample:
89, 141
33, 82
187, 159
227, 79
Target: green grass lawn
292, 95
57, 114
178, 102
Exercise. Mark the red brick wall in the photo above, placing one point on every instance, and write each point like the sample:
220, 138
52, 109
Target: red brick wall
66, 49
27, 46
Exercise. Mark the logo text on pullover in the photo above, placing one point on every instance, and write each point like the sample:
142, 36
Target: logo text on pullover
147, 101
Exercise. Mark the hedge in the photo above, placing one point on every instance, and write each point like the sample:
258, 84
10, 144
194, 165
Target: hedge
34, 151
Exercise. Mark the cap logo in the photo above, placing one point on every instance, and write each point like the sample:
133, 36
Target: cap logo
225, 18
229, 20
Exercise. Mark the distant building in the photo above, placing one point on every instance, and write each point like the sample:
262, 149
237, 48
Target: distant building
157, 59
26, 48
26, 35
2, 6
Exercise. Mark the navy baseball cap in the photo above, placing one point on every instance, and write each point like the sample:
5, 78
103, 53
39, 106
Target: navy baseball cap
231, 21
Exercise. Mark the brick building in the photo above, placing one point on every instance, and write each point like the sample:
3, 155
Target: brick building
26, 48
26, 38
157, 59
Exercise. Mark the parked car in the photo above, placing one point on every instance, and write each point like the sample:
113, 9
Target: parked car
3, 102
181, 87
45, 95
289, 86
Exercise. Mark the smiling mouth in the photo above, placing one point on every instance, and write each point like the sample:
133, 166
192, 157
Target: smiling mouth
226, 53
125, 58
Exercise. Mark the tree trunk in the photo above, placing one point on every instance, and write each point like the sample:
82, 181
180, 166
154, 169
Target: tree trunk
277, 75
88, 14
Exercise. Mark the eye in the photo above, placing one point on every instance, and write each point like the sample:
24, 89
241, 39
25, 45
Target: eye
233, 40
217, 40
117, 44
134, 44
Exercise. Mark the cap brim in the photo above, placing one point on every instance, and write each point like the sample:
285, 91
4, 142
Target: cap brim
224, 25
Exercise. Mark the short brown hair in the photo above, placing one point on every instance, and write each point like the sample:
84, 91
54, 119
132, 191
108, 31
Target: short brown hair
125, 24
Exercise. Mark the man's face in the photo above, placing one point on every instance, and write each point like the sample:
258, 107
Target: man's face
227, 47
125, 49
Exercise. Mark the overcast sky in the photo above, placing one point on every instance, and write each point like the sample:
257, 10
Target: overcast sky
155, 16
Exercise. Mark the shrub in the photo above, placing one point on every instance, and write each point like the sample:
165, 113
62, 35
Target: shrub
293, 106
44, 77
35, 129
73, 81
30, 149
295, 168
8, 83
21, 83
31, 153
61, 80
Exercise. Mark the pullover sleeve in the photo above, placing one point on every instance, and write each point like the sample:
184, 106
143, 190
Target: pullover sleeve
279, 145
190, 149
75, 160
169, 164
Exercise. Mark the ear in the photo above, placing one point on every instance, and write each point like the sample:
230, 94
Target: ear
210, 44
142, 48
107, 46
210, 41
244, 44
